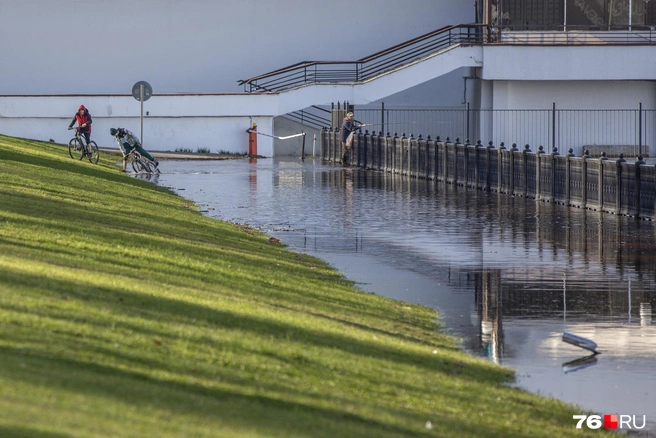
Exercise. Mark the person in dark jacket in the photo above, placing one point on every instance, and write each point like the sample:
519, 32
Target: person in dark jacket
126, 142
83, 119
348, 126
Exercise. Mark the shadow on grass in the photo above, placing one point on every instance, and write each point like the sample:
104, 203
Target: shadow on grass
8, 431
214, 404
154, 308
142, 217
70, 165
202, 242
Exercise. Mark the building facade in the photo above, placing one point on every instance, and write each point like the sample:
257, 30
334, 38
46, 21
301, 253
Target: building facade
565, 54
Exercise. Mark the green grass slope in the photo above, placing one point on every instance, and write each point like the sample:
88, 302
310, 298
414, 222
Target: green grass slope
126, 313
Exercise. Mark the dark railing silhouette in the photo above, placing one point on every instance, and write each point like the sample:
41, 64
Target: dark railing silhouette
614, 186
314, 116
575, 35
322, 72
327, 72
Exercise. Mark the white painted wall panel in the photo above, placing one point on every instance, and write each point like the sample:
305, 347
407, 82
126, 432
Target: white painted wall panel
574, 94
569, 63
207, 120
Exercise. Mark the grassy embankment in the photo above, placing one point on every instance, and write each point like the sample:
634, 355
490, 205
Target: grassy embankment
126, 313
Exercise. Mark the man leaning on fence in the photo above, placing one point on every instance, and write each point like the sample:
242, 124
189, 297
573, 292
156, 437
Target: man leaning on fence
348, 131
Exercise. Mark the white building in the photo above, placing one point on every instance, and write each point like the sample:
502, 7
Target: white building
57, 54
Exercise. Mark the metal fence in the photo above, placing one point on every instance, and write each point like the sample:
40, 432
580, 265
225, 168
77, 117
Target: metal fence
615, 186
628, 131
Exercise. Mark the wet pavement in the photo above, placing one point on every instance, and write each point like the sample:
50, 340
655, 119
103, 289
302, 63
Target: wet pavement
507, 275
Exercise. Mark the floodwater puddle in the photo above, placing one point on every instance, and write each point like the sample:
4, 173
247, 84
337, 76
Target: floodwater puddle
508, 275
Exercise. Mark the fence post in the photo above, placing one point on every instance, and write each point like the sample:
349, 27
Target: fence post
371, 152
500, 179
618, 193
636, 192
362, 157
468, 122
323, 143
601, 180
584, 178
411, 140
437, 163
477, 153
466, 155
553, 125
445, 148
525, 152
538, 173
489, 148
400, 150
640, 129
336, 144
513, 149
420, 168
554, 153
330, 134
388, 153
430, 169
456, 174
568, 178
382, 116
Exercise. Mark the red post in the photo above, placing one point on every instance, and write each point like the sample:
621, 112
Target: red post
252, 141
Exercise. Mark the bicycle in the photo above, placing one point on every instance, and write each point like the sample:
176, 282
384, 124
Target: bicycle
76, 148
139, 164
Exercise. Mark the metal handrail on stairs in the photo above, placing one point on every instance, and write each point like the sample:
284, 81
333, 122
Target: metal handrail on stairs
328, 72
315, 117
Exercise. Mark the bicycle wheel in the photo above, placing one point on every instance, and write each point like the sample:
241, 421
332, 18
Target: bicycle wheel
92, 152
151, 167
139, 166
75, 149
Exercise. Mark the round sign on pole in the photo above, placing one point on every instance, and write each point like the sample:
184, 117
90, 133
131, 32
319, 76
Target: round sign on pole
147, 90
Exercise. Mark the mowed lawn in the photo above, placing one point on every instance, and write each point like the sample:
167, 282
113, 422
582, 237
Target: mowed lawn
126, 313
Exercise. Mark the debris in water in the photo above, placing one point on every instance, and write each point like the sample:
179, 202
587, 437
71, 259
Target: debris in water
580, 341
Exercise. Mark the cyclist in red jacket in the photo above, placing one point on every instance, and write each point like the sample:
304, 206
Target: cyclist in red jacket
83, 119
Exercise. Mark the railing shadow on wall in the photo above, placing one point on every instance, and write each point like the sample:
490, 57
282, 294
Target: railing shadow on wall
613, 186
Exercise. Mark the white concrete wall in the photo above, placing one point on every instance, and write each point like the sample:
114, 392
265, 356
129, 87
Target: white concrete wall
574, 94
569, 63
104, 47
217, 122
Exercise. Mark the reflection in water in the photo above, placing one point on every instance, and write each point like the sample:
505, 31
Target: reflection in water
489, 313
150, 177
508, 275
580, 363
645, 314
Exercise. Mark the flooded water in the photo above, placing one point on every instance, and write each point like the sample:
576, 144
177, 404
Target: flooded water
507, 275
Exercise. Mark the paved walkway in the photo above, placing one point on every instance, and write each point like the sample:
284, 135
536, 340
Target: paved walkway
168, 155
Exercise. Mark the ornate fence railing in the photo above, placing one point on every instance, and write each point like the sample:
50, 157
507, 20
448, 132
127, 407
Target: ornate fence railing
614, 186
615, 131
